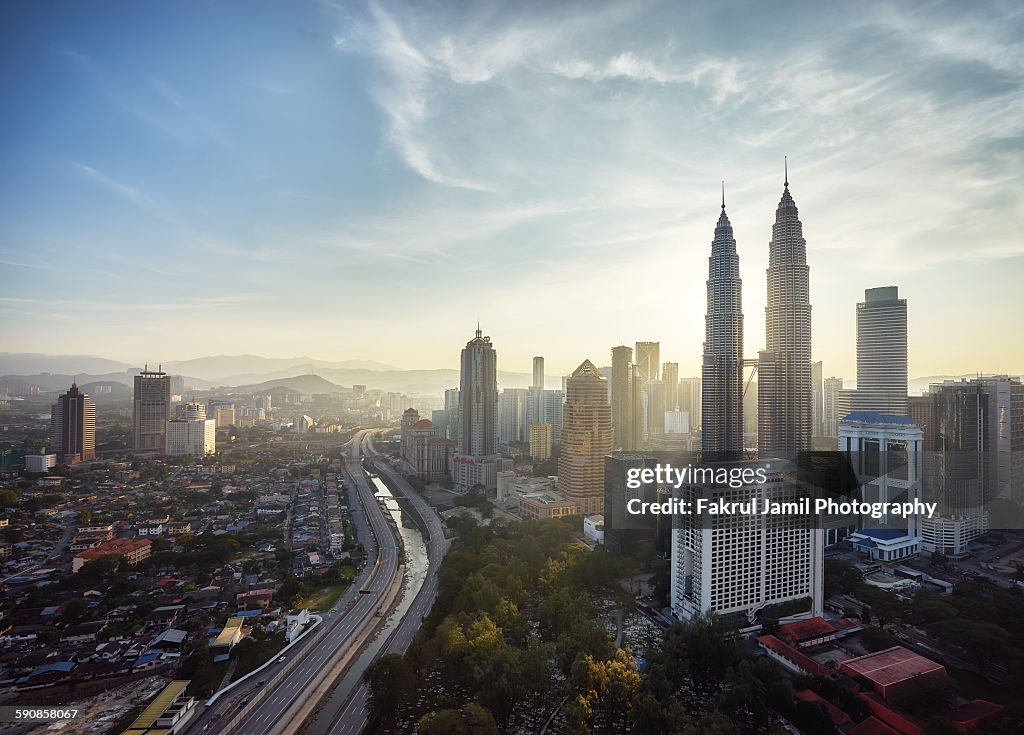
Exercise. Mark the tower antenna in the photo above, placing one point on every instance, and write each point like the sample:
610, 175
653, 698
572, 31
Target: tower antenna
785, 163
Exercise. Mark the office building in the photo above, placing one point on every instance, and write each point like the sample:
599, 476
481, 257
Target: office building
690, 400
722, 367
451, 407
151, 410
831, 408
512, 418
654, 407
670, 378
73, 427
882, 352
540, 442
428, 452
978, 457
818, 409
586, 439
648, 360
784, 394
886, 453
477, 461
409, 419
538, 372
631, 533
622, 400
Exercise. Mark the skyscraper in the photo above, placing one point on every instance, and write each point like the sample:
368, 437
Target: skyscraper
979, 445
817, 410
648, 357
670, 377
586, 438
722, 370
512, 421
152, 410
831, 408
73, 427
538, 372
477, 461
784, 367
882, 352
451, 407
622, 397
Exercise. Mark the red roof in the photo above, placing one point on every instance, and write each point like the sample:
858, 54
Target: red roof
117, 546
803, 630
801, 660
891, 666
838, 716
872, 726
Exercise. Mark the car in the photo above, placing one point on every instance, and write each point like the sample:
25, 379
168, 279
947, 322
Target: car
280, 659
333, 611
260, 683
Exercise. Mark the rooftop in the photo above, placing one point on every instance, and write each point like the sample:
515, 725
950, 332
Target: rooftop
891, 666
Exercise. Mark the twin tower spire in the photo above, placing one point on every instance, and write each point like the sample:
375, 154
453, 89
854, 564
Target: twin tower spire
783, 378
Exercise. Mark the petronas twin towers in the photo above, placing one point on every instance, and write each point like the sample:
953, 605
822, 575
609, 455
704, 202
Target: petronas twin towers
784, 367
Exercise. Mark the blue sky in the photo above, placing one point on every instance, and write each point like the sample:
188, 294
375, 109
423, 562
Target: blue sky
361, 180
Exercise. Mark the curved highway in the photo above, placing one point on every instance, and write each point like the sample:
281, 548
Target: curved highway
356, 609
354, 716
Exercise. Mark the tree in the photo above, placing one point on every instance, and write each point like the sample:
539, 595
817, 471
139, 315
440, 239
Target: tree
979, 639
390, 679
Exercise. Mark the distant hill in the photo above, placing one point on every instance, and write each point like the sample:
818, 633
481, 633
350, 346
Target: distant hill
242, 369
306, 384
31, 363
62, 381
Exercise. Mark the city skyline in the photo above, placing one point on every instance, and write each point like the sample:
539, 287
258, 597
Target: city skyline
394, 148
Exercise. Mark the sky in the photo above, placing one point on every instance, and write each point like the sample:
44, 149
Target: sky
367, 180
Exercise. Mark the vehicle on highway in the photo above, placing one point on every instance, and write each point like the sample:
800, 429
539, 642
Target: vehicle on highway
280, 659
260, 683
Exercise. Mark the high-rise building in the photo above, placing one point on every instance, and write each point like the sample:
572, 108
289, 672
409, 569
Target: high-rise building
741, 563
452, 407
690, 400
625, 532
817, 410
512, 418
882, 352
551, 413
538, 372
831, 410
886, 453
784, 395
670, 377
540, 442
654, 407
979, 457
190, 432
409, 419
648, 360
622, 397
722, 370
921, 410
152, 410
586, 439
73, 427
477, 461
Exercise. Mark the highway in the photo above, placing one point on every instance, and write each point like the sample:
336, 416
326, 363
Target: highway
355, 612
353, 717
